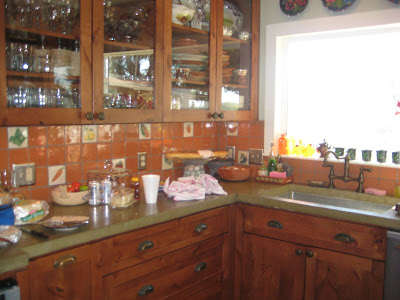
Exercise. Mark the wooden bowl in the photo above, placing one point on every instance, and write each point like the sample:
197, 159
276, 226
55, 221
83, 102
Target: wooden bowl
234, 173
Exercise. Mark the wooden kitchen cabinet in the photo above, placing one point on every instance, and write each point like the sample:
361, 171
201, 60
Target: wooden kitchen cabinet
73, 274
284, 252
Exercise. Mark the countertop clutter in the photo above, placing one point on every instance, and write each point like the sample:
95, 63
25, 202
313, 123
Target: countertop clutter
105, 221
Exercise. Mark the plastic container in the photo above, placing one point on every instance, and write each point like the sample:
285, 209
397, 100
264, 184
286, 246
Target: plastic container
115, 175
122, 197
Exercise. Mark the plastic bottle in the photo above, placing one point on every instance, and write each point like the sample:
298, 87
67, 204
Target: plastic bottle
272, 160
136, 187
283, 144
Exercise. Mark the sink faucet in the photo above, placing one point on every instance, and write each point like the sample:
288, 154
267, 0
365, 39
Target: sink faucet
345, 177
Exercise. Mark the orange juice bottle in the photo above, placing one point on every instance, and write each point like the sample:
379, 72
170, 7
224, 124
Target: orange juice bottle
283, 144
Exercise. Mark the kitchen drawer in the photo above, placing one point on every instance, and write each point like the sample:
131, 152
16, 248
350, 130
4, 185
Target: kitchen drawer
361, 240
132, 248
169, 274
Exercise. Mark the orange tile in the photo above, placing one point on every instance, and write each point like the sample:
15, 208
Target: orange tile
310, 165
131, 148
93, 165
3, 159
155, 146
221, 130
73, 134
177, 129
197, 128
166, 174
155, 162
244, 129
56, 155
3, 138
178, 144
388, 173
74, 173
178, 173
132, 164
166, 129
206, 143
104, 133
156, 130
118, 149
371, 183
18, 156
56, 135
118, 132
104, 151
214, 143
188, 144
74, 153
132, 131
256, 129
41, 194
222, 142
38, 155
256, 143
232, 140
167, 144
41, 177
37, 136
144, 146
89, 152
197, 143
243, 143
209, 128
388, 186
306, 176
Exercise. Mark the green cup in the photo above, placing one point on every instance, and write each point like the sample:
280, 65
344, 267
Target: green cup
366, 155
352, 153
339, 151
396, 157
381, 156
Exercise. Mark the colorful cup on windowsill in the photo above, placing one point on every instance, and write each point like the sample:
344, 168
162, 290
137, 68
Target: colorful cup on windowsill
396, 157
352, 153
339, 151
366, 155
381, 156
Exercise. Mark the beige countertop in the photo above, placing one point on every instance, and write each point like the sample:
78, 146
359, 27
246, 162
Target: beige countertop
105, 222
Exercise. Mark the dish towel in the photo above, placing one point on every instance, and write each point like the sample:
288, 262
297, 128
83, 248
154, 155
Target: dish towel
189, 188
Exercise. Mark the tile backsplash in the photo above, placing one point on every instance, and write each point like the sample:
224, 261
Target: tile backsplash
66, 153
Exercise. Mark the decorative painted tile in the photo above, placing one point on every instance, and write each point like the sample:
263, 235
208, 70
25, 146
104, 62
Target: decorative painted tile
17, 137
166, 163
56, 175
89, 134
119, 163
188, 129
256, 156
232, 128
144, 131
243, 157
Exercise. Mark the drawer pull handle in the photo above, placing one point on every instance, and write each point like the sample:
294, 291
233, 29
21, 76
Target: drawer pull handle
65, 260
344, 237
200, 267
275, 224
201, 227
147, 289
309, 253
145, 245
298, 252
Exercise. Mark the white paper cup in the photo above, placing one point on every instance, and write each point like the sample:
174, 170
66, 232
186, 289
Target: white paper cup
150, 185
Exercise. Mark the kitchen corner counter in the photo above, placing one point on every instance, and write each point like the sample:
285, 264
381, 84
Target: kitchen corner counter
106, 222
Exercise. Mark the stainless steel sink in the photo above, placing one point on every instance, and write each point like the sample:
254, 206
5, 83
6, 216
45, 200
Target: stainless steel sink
335, 201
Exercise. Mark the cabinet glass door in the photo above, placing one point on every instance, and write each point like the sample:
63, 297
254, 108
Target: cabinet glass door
43, 41
239, 73
128, 61
192, 58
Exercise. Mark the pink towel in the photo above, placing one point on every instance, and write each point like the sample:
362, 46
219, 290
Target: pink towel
276, 174
188, 188
375, 191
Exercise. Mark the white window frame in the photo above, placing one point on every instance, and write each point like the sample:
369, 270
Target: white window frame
275, 120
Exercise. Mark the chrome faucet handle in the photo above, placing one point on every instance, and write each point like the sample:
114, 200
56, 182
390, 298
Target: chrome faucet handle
362, 169
361, 180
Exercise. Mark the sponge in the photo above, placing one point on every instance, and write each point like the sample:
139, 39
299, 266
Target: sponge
375, 191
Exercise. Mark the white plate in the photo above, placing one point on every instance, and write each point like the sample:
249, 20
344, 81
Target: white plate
53, 223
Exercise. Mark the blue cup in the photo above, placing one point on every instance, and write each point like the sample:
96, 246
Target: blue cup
7, 215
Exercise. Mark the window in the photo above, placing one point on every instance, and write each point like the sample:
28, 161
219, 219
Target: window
342, 85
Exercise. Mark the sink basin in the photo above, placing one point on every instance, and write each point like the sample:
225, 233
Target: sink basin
336, 201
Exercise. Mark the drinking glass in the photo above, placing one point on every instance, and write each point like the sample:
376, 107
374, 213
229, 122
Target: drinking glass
6, 180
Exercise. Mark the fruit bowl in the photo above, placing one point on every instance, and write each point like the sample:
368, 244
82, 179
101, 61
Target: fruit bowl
62, 197
234, 173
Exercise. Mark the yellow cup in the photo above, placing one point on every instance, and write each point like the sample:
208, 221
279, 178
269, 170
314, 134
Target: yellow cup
397, 191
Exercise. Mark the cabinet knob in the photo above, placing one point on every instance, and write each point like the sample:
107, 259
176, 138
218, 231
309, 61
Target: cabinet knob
200, 267
221, 115
89, 116
65, 260
145, 245
147, 289
216, 115
344, 237
298, 252
275, 224
309, 253
101, 116
201, 227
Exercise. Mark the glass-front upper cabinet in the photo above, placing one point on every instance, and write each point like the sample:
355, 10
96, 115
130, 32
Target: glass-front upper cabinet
237, 88
127, 70
190, 46
47, 45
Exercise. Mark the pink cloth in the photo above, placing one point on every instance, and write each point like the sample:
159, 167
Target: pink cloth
188, 188
375, 191
275, 174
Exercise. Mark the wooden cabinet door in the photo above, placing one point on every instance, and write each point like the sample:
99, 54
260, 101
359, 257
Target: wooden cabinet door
272, 269
333, 275
72, 275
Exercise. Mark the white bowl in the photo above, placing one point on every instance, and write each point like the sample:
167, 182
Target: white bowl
61, 197
181, 14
